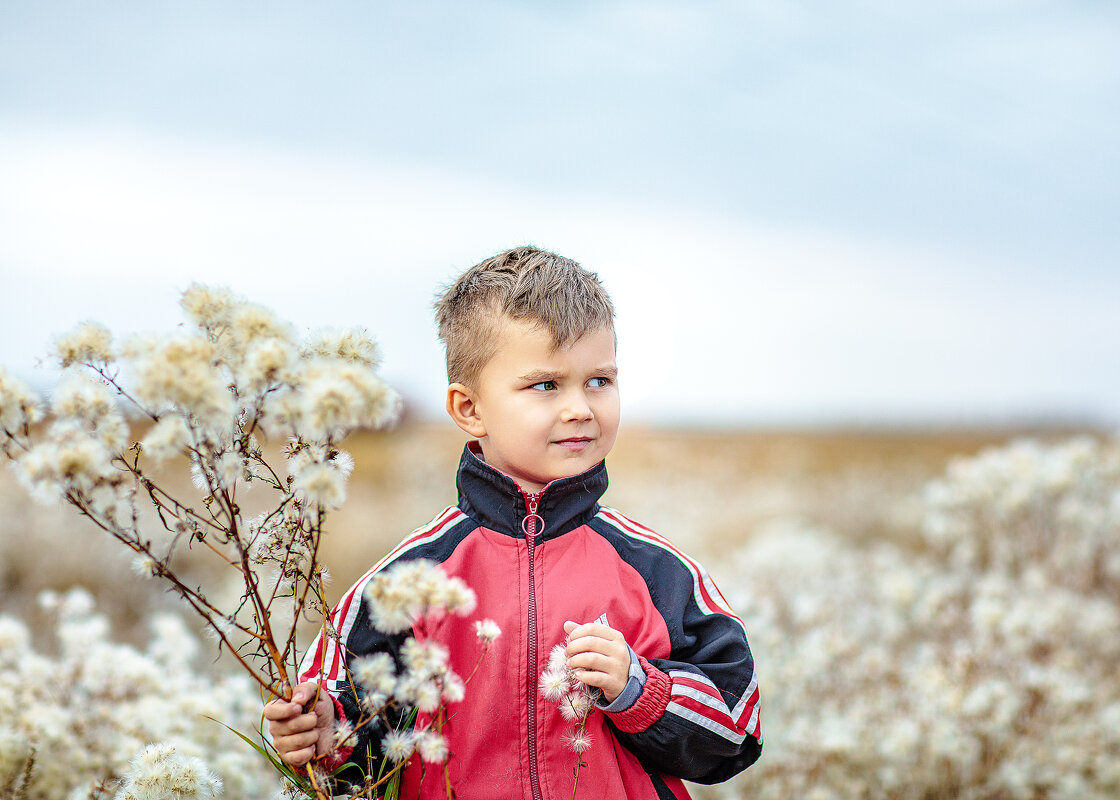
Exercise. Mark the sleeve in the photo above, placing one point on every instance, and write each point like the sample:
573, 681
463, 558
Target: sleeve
349, 635
697, 716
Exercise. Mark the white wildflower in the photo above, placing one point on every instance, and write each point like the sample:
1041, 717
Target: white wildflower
398, 745
577, 706
427, 696
487, 630
230, 467
459, 598
18, 405
267, 362
82, 398
554, 684
432, 747
209, 307
454, 690
182, 373
346, 345
161, 773
320, 484
88, 343
375, 673
558, 658
146, 566
14, 636
167, 438
374, 702
424, 658
340, 396
252, 324
578, 741
343, 462
344, 734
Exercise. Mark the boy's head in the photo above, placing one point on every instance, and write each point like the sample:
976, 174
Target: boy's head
530, 360
523, 284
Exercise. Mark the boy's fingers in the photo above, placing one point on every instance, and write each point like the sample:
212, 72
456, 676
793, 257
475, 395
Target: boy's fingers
297, 758
294, 725
280, 709
597, 662
598, 629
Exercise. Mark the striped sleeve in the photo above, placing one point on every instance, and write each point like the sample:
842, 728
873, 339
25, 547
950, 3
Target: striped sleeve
706, 727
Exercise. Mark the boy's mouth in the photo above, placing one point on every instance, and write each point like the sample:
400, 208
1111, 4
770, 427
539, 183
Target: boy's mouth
574, 442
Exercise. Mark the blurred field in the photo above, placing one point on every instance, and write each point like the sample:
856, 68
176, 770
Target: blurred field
934, 614
707, 491
703, 490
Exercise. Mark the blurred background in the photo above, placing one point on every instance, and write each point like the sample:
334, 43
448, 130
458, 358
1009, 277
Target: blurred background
859, 251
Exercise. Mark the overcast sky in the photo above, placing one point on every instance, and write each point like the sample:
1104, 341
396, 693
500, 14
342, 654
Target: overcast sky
868, 212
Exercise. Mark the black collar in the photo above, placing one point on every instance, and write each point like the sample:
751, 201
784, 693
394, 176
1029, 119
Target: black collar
495, 501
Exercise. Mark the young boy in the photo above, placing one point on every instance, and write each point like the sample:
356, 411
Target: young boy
531, 364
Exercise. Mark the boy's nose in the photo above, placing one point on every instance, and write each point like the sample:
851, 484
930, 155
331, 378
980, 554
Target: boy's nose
576, 407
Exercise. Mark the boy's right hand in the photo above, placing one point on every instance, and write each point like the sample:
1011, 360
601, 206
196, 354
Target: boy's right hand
300, 735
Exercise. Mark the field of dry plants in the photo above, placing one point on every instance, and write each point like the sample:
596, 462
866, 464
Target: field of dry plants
933, 615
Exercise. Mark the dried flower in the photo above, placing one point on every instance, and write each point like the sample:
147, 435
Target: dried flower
432, 747
167, 438
578, 740
352, 345
487, 631
398, 745
88, 343
375, 673
554, 684
18, 405
209, 307
161, 773
320, 484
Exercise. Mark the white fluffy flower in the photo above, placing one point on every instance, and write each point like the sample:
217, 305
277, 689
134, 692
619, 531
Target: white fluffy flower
398, 745
318, 483
18, 405
487, 630
432, 747
182, 373
167, 438
161, 773
88, 343
554, 684
375, 673
346, 345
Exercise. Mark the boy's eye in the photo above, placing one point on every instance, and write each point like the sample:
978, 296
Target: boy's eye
544, 386
599, 383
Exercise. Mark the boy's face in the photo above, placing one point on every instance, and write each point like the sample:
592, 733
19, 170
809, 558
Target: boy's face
542, 414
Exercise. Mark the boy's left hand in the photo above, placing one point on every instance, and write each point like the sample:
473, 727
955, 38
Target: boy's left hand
600, 657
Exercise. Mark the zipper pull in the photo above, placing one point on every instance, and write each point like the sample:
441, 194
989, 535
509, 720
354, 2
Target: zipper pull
533, 524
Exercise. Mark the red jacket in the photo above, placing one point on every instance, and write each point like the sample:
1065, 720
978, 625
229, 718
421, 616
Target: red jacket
698, 714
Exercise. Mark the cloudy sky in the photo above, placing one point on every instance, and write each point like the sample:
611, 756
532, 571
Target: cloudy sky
853, 212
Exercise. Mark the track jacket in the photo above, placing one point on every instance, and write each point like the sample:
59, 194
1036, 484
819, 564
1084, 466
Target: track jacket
535, 561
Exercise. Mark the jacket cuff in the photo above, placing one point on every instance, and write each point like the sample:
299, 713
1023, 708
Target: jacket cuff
337, 757
649, 706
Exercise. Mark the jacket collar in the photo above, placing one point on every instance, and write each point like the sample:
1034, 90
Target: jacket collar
494, 499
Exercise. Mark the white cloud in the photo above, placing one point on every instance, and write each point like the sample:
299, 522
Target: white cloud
718, 319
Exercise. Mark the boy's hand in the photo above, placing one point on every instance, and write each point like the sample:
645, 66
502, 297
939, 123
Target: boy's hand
600, 657
300, 735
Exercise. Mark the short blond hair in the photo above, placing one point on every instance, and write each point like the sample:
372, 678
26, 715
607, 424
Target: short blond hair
524, 284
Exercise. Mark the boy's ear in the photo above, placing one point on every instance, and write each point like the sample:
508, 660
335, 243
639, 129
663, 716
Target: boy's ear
463, 409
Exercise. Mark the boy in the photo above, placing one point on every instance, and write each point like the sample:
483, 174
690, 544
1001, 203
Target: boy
531, 364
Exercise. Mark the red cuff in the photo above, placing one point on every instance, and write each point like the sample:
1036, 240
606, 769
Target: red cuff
649, 706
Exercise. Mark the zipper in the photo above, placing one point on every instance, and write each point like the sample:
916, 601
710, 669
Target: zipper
530, 526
